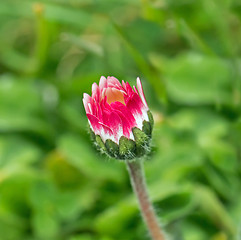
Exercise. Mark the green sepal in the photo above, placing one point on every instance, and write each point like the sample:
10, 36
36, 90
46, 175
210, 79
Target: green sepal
112, 148
126, 148
151, 119
142, 142
92, 135
100, 143
146, 128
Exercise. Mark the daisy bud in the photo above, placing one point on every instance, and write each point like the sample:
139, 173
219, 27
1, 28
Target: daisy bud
120, 121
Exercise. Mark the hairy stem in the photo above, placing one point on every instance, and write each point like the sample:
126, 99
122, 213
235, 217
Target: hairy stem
138, 183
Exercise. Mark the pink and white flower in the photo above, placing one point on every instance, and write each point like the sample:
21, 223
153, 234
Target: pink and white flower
115, 109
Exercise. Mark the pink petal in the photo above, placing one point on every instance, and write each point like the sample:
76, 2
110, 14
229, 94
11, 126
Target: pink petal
106, 117
103, 93
126, 124
90, 108
115, 124
129, 92
128, 121
95, 92
146, 108
105, 106
137, 109
140, 90
102, 83
94, 123
94, 110
86, 101
100, 128
123, 84
123, 109
106, 132
112, 81
106, 128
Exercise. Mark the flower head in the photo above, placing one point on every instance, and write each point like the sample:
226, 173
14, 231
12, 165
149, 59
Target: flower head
119, 118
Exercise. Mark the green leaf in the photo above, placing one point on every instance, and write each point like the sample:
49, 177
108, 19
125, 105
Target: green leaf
82, 156
195, 79
16, 155
214, 209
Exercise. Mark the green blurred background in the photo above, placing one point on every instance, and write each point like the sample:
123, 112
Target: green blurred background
53, 184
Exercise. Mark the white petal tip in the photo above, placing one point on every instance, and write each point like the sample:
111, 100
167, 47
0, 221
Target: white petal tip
86, 96
102, 78
140, 90
138, 82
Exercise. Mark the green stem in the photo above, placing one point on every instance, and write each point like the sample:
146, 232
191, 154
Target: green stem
138, 183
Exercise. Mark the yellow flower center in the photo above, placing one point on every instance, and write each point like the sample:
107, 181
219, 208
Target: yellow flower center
114, 95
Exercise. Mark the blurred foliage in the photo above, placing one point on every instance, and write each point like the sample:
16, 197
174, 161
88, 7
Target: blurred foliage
53, 184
